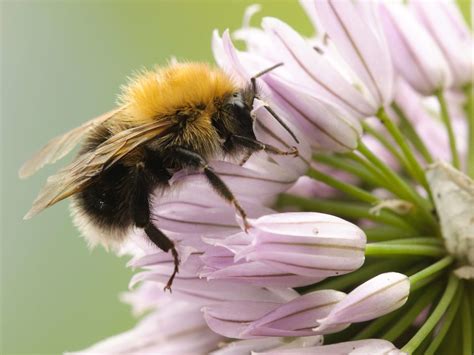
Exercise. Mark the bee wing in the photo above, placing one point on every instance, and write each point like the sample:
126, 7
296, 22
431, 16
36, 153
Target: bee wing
78, 175
61, 145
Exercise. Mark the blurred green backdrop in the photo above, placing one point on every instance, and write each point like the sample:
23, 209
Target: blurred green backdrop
62, 62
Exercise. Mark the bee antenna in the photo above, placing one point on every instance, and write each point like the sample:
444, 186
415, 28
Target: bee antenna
253, 80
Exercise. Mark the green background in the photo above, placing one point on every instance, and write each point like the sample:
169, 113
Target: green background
62, 62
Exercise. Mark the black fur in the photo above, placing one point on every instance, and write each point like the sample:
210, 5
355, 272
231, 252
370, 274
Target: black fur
118, 198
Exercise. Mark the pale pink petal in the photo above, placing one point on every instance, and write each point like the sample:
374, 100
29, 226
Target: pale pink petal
360, 45
162, 332
259, 182
308, 244
297, 317
374, 298
445, 23
231, 319
258, 273
414, 52
313, 71
326, 126
269, 131
359, 347
244, 347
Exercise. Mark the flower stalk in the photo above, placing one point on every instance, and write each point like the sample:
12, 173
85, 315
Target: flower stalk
414, 166
392, 249
404, 190
349, 189
445, 326
417, 280
434, 318
343, 163
469, 108
345, 209
466, 325
449, 127
411, 313
409, 131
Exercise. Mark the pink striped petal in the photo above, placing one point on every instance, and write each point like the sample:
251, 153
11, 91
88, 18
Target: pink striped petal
260, 274
308, 244
414, 52
162, 332
297, 317
326, 126
374, 298
454, 38
231, 319
263, 344
359, 347
314, 71
269, 131
258, 182
360, 42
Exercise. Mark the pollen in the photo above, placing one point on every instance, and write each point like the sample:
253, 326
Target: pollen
152, 94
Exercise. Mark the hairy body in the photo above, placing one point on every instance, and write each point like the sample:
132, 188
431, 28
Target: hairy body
175, 117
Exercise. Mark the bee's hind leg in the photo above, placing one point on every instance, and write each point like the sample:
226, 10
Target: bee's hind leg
194, 159
140, 211
164, 243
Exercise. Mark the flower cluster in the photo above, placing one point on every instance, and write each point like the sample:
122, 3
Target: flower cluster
377, 97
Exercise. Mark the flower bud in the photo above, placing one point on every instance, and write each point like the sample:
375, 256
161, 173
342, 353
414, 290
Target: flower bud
415, 54
374, 298
308, 244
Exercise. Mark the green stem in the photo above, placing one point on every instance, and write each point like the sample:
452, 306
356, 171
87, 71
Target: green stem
404, 190
382, 180
415, 168
469, 108
407, 128
409, 315
386, 249
433, 319
375, 326
385, 233
345, 209
418, 240
466, 326
448, 320
416, 280
348, 189
352, 167
447, 122
387, 144
452, 342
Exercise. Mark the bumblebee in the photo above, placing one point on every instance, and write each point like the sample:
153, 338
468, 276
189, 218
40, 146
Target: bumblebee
175, 117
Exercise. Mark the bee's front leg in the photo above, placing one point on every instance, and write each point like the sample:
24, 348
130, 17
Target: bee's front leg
195, 159
256, 145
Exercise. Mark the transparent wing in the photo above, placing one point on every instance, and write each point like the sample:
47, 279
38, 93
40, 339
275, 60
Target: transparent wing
78, 175
61, 145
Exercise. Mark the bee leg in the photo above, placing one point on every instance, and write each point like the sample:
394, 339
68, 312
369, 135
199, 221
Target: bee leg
215, 181
164, 243
256, 145
246, 157
140, 211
